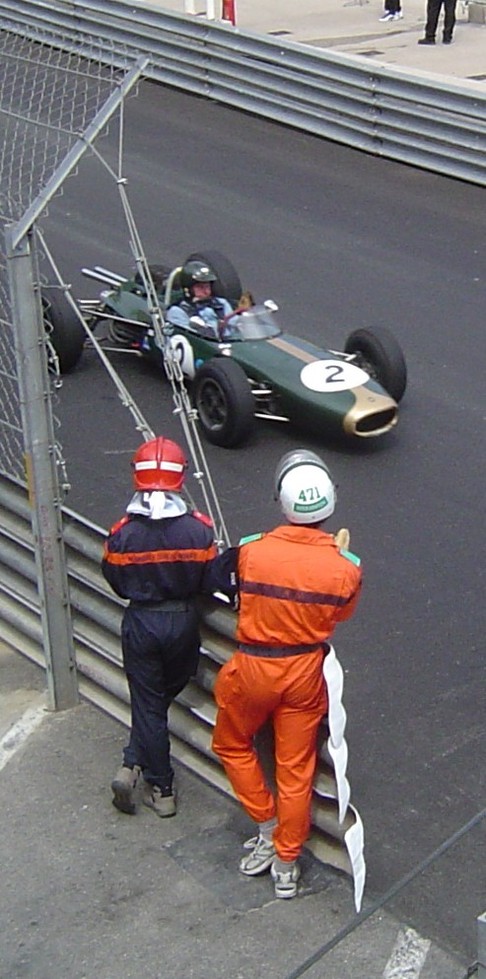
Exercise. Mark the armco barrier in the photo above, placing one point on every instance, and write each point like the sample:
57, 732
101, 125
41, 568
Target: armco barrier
96, 615
376, 108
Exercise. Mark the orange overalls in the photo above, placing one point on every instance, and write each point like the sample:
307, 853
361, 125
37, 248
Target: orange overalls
294, 587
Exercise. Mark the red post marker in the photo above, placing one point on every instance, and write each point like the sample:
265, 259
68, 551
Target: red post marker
228, 11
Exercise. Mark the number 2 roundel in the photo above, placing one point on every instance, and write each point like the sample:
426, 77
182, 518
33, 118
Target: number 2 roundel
329, 376
184, 353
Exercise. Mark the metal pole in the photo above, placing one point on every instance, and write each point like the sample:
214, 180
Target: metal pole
41, 471
482, 946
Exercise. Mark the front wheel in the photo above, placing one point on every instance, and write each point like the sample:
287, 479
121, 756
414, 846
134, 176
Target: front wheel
380, 355
64, 330
224, 402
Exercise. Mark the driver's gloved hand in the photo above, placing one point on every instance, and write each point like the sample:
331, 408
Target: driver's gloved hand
246, 300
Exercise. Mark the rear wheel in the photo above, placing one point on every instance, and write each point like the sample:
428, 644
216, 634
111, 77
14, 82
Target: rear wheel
228, 282
380, 355
64, 329
224, 402
159, 274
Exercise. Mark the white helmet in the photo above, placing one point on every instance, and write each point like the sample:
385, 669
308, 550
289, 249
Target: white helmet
304, 487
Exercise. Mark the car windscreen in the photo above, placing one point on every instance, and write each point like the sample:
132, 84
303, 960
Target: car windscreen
256, 323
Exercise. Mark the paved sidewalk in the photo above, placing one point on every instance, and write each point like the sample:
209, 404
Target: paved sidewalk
89, 893
353, 27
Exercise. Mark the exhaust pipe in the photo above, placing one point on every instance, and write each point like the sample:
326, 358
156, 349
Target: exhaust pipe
104, 275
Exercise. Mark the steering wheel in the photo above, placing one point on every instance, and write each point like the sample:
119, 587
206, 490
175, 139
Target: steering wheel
229, 316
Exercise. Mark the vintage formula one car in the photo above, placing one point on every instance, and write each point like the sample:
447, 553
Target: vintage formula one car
252, 368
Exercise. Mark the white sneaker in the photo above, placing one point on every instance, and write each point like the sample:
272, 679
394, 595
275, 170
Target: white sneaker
387, 16
398, 15
261, 856
285, 880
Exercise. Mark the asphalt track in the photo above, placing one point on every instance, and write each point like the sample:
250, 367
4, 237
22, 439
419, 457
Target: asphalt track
340, 240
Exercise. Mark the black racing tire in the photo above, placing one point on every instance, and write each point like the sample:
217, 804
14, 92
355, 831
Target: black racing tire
224, 402
159, 273
379, 353
228, 283
65, 330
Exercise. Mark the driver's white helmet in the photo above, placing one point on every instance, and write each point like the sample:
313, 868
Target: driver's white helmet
304, 487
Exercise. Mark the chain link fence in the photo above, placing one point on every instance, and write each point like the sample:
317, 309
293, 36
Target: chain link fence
10, 420
48, 98
50, 95
57, 96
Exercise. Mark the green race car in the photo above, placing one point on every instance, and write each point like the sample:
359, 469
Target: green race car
250, 367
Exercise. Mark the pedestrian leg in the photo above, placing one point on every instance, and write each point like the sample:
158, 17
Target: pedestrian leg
449, 20
433, 10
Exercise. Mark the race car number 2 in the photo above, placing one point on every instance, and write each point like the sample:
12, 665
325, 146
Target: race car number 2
329, 376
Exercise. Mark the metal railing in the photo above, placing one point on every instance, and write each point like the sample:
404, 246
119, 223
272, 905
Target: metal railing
381, 110
96, 617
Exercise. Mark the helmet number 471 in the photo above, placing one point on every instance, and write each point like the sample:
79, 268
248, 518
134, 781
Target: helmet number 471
310, 494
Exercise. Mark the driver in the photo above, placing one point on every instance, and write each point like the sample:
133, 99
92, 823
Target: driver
197, 282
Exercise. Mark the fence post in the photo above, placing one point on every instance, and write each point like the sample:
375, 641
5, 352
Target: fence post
41, 471
482, 946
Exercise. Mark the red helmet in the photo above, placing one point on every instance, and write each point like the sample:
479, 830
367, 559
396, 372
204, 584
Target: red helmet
159, 465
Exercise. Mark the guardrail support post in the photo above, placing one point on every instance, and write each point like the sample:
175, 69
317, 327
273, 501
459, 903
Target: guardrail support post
41, 472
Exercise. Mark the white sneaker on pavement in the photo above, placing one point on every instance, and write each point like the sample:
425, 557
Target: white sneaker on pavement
285, 880
261, 856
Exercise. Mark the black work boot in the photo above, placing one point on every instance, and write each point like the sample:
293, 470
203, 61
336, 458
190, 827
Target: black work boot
123, 788
426, 40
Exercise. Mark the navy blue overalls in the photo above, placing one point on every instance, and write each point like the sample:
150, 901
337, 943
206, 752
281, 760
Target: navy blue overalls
160, 566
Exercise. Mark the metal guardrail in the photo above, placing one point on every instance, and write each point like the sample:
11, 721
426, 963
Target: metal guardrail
96, 616
375, 108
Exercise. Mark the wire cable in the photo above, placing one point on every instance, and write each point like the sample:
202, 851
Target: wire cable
472, 971
392, 892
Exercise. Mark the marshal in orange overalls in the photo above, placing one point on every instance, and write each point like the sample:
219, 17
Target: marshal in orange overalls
294, 586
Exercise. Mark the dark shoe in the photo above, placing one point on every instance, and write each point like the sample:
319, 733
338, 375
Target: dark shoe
447, 40
123, 788
426, 40
163, 803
